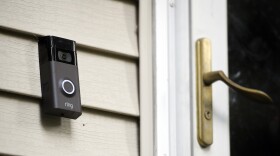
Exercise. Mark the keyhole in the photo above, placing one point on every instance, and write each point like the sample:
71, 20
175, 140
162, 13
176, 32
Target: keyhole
207, 115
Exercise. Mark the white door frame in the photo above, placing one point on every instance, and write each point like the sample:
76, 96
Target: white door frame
172, 78
165, 85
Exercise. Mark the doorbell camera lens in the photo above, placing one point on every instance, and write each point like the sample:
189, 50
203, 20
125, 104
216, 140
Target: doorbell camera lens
64, 56
59, 77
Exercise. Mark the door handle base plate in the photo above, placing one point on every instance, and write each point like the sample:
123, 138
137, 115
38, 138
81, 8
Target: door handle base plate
204, 93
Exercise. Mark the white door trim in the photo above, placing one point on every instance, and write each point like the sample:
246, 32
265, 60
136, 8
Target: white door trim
146, 89
172, 78
161, 76
165, 88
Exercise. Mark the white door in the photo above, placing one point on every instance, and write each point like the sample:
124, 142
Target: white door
239, 125
209, 20
178, 25
249, 29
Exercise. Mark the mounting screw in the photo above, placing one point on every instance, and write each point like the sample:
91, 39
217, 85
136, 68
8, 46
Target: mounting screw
171, 3
208, 115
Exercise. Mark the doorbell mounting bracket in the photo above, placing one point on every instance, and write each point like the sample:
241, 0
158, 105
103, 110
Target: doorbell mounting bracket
59, 77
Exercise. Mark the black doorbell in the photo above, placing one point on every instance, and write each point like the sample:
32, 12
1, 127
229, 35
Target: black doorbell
59, 77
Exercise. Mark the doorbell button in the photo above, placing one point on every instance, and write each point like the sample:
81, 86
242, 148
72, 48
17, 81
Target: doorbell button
68, 87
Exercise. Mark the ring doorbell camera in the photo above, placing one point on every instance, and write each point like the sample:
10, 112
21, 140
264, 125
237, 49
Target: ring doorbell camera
59, 77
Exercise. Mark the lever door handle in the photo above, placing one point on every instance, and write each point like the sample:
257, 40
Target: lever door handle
211, 77
204, 78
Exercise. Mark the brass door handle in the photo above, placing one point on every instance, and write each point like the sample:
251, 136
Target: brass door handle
204, 78
257, 95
